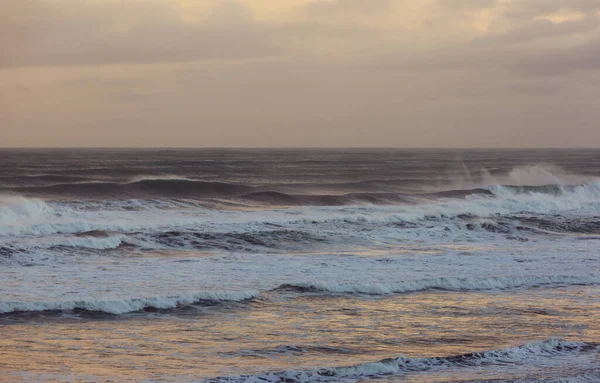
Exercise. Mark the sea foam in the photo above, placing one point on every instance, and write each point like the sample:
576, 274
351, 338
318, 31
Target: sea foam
122, 306
402, 365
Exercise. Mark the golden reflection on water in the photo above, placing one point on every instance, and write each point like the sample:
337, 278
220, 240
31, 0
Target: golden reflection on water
256, 337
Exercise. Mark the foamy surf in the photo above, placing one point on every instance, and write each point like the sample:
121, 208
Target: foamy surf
590, 377
401, 365
182, 300
263, 265
16, 209
123, 306
442, 284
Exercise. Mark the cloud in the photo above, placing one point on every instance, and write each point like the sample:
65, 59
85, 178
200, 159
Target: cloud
336, 72
573, 58
530, 9
469, 5
86, 33
72, 32
332, 8
541, 29
535, 47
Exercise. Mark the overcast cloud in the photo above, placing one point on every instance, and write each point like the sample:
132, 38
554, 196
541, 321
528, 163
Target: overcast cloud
516, 73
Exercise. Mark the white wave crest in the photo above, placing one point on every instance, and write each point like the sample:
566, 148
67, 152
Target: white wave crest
526, 175
590, 377
122, 306
446, 284
588, 192
401, 365
18, 209
157, 177
106, 243
542, 174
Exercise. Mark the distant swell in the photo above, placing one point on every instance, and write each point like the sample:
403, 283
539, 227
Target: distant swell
41, 179
277, 198
183, 188
551, 189
172, 188
146, 188
460, 193
396, 366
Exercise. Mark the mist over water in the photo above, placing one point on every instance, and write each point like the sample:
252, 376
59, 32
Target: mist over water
299, 265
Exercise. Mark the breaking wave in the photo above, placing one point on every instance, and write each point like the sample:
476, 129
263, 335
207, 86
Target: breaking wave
165, 302
123, 306
278, 198
14, 209
440, 284
591, 376
569, 193
552, 347
235, 241
538, 180
171, 188
522, 186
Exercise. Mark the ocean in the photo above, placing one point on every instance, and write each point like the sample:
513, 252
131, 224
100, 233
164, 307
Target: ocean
298, 265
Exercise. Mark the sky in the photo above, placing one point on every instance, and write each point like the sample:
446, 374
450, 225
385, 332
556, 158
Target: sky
300, 73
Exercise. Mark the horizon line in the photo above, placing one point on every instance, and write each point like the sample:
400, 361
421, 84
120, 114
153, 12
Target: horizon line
299, 147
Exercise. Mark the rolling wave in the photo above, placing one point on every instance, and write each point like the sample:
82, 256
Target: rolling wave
185, 188
52, 226
123, 306
41, 179
440, 284
16, 208
236, 241
278, 198
144, 188
166, 302
552, 347
513, 213
589, 190
591, 376
459, 193
177, 187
